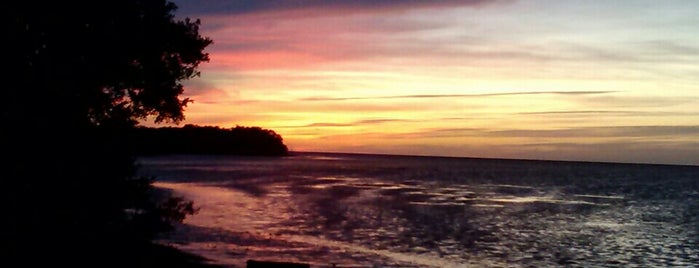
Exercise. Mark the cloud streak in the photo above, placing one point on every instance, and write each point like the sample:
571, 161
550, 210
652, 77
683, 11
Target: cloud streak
647, 133
608, 132
351, 124
610, 112
253, 6
433, 96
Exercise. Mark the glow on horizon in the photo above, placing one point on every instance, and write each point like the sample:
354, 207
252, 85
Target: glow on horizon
564, 80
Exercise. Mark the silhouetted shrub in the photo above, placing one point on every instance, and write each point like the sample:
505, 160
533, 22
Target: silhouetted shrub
192, 139
81, 74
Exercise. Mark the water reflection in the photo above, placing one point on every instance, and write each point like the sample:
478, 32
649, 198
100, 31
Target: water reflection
370, 217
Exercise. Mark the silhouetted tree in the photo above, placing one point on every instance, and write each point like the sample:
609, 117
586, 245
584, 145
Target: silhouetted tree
193, 139
80, 74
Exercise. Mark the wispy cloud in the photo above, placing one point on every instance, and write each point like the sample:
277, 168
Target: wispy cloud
350, 124
327, 125
252, 6
591, 132
574, 112
622, 132
610, 112
609, 101
431, 96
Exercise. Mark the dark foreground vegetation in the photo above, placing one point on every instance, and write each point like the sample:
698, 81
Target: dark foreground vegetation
193, 139
81, 74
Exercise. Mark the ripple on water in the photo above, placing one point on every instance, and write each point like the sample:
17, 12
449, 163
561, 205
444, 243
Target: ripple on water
359, 222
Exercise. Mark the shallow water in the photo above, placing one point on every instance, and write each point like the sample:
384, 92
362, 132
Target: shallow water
392, 211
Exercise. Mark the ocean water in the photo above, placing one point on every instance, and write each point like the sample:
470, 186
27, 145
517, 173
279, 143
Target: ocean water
353, 210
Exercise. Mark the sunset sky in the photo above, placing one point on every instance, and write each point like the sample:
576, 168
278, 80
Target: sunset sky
565, 80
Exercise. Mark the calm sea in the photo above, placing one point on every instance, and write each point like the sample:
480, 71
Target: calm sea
399, 211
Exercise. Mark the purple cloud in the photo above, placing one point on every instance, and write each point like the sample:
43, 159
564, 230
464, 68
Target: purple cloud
191, 7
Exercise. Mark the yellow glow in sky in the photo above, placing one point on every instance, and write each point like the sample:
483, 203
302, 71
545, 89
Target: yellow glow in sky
566, 80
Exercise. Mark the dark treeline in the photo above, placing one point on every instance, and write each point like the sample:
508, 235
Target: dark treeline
193, 139
80, 74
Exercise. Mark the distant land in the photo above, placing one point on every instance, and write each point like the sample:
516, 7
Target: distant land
194, 139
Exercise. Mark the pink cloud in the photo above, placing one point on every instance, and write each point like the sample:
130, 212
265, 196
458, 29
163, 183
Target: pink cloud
198, 7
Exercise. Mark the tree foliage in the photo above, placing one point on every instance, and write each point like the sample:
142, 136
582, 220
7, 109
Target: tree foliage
105, 60
81, 73
193, 139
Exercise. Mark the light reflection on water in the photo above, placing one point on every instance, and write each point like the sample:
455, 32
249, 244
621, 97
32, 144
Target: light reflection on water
247, 216
357, 215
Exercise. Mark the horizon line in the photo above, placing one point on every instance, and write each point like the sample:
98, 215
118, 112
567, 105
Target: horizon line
291, 153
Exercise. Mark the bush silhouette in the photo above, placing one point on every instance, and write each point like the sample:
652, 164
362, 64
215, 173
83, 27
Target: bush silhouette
81, 75
193, 139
